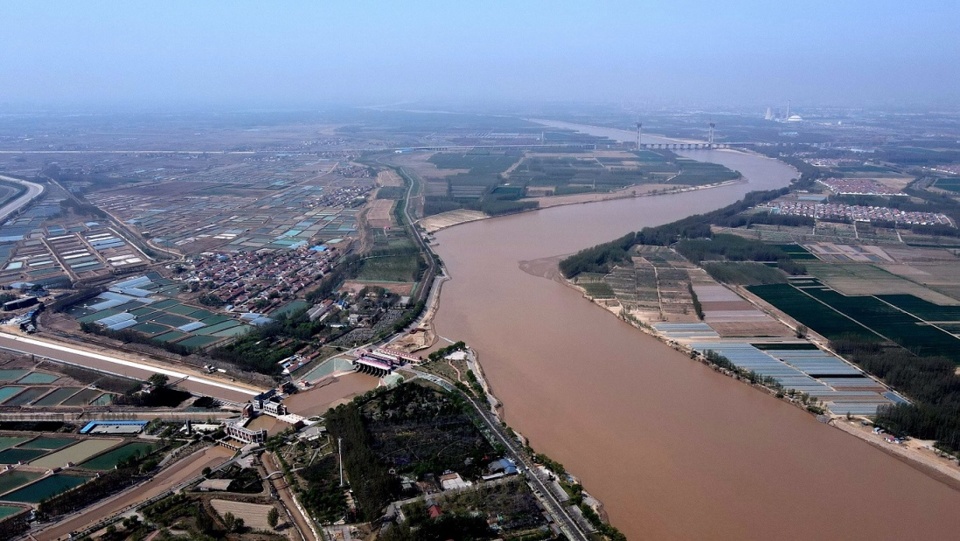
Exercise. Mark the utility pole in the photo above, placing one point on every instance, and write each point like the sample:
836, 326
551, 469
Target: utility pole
340, 453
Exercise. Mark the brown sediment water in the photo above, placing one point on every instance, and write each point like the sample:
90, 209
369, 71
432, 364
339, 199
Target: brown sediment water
329, 392
673, 449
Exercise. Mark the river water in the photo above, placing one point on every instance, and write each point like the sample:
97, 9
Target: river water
673, 449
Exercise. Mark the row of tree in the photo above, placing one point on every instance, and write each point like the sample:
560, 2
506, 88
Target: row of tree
603, 257
931, 382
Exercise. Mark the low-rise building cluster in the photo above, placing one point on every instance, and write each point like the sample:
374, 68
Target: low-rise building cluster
858, 186
857, 213
255, 281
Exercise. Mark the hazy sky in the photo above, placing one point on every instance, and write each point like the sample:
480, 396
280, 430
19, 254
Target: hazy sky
287, 54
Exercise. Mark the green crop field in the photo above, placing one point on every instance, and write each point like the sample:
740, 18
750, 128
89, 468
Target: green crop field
948, 183
479, 163
833, 314
650, 156
795, 251
697, 173
908, 331
925, 310
810, 312
745, 273
598, 290
389, 269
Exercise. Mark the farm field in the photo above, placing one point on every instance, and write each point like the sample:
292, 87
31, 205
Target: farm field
923, 309
899, 318
867, 279
156, 316
948, 183
744, 273
906, 330
401, 268
810, 312
797, 252
694, 173
253, 515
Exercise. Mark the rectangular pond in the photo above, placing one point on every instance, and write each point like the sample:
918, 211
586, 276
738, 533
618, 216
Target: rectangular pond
12, 374
9, 510
82, 398
45, 488
27, 396
75, 453
10, 441
7, 392
110, 459
38, 378
16, 479
49, 443
15, 455
103, 400
57, 396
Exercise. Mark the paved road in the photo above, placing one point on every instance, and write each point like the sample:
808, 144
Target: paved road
114, 365
566, 524
33, 191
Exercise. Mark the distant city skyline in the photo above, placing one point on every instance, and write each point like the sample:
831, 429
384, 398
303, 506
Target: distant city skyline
304, 54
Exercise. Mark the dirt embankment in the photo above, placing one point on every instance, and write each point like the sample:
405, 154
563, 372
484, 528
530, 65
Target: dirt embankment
432, 224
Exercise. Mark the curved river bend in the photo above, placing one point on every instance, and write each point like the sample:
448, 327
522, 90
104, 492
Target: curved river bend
672, 449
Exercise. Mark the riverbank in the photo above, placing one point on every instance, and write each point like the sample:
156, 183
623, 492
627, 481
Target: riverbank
671, 435
919, 454
445, 220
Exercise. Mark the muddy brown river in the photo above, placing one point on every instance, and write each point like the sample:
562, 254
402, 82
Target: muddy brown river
673, 449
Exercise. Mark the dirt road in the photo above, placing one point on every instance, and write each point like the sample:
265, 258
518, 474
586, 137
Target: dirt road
286, 498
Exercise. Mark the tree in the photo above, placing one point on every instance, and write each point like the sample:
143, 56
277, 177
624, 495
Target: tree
203, 520
131, 523
229, 521
273, 517
158, 380
801, 331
